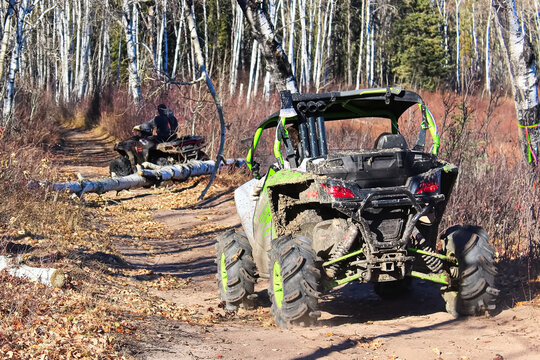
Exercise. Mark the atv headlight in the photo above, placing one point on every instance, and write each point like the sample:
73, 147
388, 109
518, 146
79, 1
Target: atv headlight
425, 184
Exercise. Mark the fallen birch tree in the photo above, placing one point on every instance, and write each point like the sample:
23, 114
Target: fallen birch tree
148, 174
47, 276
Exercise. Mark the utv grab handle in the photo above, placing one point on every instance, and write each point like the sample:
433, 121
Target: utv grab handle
287, 111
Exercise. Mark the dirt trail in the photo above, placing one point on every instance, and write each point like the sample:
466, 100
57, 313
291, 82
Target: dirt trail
355, 323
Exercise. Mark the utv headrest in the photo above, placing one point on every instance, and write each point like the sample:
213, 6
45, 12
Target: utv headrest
390, 141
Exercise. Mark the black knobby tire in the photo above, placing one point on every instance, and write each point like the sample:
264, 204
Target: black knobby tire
236, 271
294, 291
476, 293
392, 289
120, 167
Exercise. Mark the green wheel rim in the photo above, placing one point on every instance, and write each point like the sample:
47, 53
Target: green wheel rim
278, 284
223, 271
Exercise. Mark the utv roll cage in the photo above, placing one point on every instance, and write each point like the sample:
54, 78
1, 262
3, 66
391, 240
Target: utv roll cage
309, 112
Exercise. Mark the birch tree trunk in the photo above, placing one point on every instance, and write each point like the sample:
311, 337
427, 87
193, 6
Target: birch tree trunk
263, 30
85, 50
25, 8
305, 78
487, 71
237, 36
292, 22
458, 53
131, 36
522, 73
190, 17
272, 11
6, 34
361, 47
178, 42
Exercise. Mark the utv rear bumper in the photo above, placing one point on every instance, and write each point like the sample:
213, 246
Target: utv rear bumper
413, 206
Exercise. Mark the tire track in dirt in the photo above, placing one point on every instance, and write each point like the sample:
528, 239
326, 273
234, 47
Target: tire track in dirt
355, 323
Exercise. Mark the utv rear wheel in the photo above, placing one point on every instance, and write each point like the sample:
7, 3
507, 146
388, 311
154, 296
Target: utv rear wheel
120, 167
294, 280
236, 271
476, 292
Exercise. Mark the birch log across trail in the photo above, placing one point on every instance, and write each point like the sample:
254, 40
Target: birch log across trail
47, 276
148, 174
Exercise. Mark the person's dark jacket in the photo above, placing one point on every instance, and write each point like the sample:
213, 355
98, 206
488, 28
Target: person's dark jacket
165, 124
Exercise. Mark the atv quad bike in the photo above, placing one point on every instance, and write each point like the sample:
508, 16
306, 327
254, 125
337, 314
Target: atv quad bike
319, 219
176, 151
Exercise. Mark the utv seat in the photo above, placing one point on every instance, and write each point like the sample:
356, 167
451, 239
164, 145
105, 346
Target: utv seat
390, 141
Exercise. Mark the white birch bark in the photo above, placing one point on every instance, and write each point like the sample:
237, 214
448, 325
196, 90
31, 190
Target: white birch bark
161, 34
305, 78
252, 69
372, 60
292, 25
47, 276
476, 60
148, 174
6, 34
458, 49
361, 47
106, 53
178, 42
349, 44
328, 37
521, 69
85, 50
25, 8
442, 7
63, 31
368, 39
77, 21
237, 37
273, 13
130, 31
487, 71
263, 30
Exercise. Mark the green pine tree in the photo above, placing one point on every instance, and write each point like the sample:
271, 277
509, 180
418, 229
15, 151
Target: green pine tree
417, 45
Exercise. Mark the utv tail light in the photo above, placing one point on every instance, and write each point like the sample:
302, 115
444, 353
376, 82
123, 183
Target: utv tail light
427, 187
339, 192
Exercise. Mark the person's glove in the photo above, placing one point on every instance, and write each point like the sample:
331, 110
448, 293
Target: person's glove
137, 128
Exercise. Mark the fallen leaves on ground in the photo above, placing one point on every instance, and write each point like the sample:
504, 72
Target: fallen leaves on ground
106, 301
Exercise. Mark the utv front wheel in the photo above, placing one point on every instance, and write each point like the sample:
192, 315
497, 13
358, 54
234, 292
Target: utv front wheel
236, 271
120, 167
294, 280
476, 292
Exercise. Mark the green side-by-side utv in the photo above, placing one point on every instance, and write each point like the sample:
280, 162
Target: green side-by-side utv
319, 218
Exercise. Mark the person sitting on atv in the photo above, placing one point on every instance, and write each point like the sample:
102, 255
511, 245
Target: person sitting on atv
165, 125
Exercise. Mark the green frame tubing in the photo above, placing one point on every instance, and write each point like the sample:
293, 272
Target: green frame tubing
442, 278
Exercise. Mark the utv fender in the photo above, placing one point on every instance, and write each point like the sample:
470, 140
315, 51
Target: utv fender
245, 206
